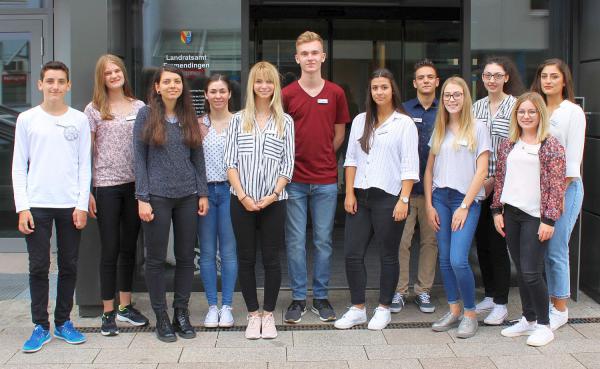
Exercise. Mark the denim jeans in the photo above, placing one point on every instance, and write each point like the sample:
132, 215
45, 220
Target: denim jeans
454, 247
215, 230
322, 202
557, 256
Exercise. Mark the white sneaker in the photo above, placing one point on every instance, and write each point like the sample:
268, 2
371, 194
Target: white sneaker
521, 328
380, 319
558, 318
486, 304
212, 317
497, 316
225, 317
354, 316
541, 336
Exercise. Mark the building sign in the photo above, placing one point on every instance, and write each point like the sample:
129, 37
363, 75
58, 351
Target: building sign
194, 67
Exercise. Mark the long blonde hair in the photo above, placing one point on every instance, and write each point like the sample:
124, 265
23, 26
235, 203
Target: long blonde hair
268, 72
466, 120
100, 98
543, 130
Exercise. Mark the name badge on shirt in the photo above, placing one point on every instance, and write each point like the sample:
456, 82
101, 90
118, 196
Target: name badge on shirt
322, 101
130, 118
418, 120
463, 142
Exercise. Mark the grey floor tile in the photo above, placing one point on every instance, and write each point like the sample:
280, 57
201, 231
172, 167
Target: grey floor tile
338, 338
563, 361
96, 340
6, 354
484, 349
485, 334
200, 365
237, 339
590, 360
201, 354
35, 366
56, 356
331, 353
415, 336
138, 356
588, 330
310, 364
114, 366
148, 340
408, 351
573, 346
385, 364
458, 363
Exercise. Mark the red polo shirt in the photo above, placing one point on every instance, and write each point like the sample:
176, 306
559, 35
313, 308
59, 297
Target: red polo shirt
314, 121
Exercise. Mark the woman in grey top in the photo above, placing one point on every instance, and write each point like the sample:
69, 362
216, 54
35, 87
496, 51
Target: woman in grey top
170, 185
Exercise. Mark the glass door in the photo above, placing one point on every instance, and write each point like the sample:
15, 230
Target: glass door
21, 57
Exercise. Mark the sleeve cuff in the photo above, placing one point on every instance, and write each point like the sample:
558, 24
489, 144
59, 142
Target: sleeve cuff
407, 176
144, 198
548, 221
573, 169
496, 211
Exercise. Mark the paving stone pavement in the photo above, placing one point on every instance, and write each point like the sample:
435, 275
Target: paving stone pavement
576, 345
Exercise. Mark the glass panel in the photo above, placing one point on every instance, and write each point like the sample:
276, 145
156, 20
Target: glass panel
200, 37
24, 4
514, 28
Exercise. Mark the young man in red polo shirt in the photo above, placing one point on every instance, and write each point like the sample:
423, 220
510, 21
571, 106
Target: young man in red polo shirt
320, 113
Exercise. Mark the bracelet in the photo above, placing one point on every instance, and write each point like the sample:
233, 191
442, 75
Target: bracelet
277, 193
243, 198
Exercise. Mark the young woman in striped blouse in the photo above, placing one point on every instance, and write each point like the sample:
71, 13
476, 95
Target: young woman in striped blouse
382, 164
502, 83
259, 157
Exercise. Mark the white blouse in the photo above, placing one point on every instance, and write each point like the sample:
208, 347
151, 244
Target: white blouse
567, 124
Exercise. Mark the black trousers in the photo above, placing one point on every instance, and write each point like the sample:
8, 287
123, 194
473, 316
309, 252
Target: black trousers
119, 225
373, 219
270, 223
183, 212
38, 247
492, 253
528, 253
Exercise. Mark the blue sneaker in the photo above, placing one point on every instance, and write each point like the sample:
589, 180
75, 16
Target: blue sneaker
69, 334
39, 337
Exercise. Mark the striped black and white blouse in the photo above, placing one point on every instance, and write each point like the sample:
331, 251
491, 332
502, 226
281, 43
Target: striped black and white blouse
260, 156
497, 125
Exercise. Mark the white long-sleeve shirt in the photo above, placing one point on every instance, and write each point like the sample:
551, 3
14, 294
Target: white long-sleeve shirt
393, 157
51, 160
567, 124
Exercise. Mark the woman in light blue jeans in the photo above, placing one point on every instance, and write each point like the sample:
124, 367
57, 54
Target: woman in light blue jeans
456, 168
215, 230
554, 82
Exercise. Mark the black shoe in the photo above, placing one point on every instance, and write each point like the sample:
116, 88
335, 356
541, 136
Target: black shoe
132, 316
164, 329
295, 311
109, 326
181, 323
323, 309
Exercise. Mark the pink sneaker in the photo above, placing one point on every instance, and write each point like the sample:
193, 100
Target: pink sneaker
253, 327
268, 326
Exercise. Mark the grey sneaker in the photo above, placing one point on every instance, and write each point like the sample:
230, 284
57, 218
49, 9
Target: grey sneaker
423, 301
295, 311
467, 328
323, 309
397, 303
446, 322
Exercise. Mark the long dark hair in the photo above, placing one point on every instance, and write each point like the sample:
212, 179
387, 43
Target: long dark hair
514, 86
215, 78
567, 91
371, 119
154, 131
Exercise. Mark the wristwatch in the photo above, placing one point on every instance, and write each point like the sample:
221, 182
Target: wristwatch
404, 199
463, 205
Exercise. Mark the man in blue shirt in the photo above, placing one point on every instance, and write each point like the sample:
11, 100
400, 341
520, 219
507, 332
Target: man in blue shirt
422, 109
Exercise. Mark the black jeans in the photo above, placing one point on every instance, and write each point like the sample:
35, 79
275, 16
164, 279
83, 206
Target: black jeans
119, 225
271, 223
372, 219
492, 253
183, 212
38, 247
528, 253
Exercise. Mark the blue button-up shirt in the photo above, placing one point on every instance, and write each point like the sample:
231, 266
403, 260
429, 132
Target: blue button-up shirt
424, 120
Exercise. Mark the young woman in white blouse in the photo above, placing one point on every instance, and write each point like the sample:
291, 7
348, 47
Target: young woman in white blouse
259, 157
554, 82
214, 229
382, 164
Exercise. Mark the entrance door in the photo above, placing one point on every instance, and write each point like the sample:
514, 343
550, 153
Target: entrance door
21, 56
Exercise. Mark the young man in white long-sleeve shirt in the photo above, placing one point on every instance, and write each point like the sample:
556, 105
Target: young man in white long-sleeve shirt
51, 182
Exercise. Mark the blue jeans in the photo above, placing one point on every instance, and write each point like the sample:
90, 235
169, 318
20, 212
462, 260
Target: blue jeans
454, 246
322, 201
557, 255
215, 229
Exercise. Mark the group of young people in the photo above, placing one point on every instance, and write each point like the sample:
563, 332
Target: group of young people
224, 179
